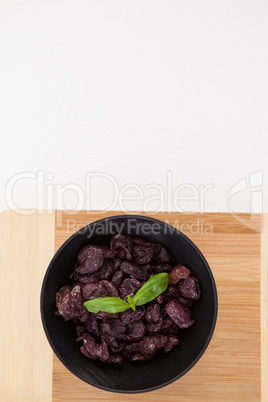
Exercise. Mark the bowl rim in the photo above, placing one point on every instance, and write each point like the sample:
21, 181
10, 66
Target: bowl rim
179, 233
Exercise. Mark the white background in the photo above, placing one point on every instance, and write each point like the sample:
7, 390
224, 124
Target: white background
134, 89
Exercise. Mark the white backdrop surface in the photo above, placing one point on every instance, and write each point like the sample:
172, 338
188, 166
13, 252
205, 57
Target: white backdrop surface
147, 93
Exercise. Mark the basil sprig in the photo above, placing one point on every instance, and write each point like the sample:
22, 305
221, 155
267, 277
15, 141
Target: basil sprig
156, 285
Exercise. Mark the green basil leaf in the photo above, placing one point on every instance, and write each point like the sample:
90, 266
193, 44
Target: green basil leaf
131, 303
156, 285
106, 304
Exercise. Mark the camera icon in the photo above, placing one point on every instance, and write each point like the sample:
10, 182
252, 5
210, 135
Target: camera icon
253, 187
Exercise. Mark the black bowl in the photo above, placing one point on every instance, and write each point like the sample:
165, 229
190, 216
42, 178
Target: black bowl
132, 377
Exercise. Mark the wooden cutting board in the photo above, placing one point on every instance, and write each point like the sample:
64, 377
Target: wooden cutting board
233, 368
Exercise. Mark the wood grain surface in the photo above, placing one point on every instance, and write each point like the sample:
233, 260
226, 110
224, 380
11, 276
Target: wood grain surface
264, 309
230, 369
27, 245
